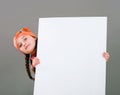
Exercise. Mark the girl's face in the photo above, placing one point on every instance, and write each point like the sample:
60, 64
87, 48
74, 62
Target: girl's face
26, 44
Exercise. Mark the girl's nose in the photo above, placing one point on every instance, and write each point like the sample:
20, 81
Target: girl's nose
24, 43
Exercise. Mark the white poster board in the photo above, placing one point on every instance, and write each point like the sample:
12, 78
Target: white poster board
70, 52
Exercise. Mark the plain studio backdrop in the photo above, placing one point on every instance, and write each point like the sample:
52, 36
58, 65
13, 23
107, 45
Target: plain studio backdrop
15, 14
70, 52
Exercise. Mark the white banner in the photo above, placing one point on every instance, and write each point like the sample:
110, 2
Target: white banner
70, 52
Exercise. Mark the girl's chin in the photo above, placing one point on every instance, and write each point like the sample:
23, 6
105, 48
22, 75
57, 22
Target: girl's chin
30, 51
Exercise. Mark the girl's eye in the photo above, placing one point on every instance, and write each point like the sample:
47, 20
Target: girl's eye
25, 39
20, 45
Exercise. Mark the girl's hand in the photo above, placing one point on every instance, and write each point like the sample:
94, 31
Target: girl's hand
35, 61
106, 56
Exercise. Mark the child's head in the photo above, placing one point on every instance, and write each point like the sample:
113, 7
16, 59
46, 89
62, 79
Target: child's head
25, 41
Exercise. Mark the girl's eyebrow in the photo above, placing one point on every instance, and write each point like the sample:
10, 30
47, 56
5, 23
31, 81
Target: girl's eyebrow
23, 37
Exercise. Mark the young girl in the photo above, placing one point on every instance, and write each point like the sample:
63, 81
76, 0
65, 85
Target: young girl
26, 42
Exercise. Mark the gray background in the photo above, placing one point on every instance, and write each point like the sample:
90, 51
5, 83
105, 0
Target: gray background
15, 14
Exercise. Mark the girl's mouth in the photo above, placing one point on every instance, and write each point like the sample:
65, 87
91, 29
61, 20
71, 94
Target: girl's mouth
26, 47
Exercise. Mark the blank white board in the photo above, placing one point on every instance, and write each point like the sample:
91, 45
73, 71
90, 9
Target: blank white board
70, 52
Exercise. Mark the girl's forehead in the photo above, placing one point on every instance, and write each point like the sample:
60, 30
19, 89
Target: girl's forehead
20, 38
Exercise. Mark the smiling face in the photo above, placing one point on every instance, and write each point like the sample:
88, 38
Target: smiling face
26, 44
